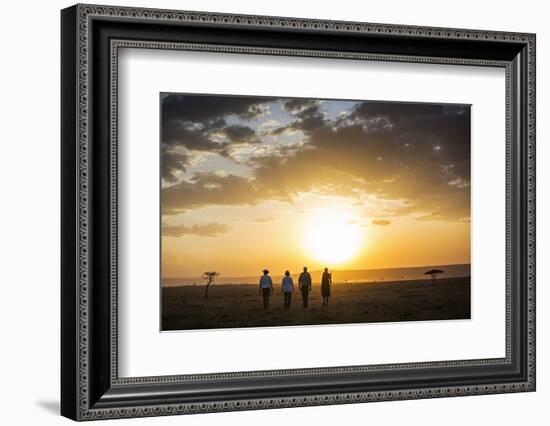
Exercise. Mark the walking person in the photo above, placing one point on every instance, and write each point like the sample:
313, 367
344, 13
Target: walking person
266, 287
326, 283
304, 283
287, 286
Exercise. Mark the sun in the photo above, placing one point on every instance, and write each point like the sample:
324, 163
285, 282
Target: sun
332, 236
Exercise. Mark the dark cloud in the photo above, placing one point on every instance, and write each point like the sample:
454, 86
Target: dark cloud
196, 123
172, 161
196, 137
296, 106
240, 134
209, 108
207, 230
380, 222
209, 189
417, 153
307, 113
188, 135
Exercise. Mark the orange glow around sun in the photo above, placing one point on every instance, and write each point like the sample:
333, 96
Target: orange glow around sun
331, 236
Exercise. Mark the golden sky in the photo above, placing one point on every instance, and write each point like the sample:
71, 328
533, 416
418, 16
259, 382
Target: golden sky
251, 183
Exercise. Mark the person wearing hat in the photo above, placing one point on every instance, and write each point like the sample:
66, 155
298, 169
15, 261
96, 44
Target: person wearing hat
266, 287
287, 286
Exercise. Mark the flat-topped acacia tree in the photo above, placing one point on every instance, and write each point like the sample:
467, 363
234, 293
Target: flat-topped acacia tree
209, 277
434, 273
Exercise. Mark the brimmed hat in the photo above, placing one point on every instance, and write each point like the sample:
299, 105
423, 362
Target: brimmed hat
266, 271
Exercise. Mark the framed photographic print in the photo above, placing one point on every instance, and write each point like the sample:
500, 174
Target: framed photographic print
263, 212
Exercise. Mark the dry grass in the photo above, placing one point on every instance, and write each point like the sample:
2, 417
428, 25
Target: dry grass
231, 306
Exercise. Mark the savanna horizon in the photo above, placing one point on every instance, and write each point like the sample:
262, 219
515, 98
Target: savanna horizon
401, 274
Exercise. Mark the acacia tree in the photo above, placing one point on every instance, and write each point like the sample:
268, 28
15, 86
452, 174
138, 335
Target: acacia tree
434, 273
209, 277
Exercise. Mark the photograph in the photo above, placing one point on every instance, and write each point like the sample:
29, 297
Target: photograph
285, 211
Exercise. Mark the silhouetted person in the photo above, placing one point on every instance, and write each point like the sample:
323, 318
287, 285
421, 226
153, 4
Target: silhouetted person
266, 287
326, 282
287, 286
304, 283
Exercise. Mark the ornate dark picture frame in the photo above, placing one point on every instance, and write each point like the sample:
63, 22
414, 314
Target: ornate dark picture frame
90, 385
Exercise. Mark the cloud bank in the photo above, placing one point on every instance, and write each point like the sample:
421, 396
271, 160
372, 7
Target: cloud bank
416, 153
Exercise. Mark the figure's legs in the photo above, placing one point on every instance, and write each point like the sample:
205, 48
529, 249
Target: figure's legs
305, 293
265, 293
263, 297
288, 295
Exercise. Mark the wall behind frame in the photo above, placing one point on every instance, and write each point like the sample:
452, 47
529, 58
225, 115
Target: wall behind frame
29, 213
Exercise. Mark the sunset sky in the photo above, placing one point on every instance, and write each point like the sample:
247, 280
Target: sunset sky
250, 183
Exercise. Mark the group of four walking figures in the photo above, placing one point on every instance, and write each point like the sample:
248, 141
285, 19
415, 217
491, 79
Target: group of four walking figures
287, 287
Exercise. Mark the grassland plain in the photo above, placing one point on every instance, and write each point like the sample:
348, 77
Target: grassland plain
240, 305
